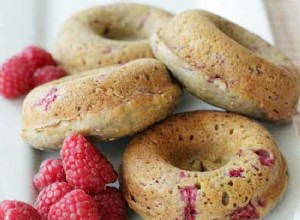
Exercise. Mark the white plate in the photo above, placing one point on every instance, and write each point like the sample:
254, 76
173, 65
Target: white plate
37, 22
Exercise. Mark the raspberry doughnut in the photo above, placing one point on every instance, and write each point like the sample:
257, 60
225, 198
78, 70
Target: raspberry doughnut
108, 103
107, 35
204, 165
227, 66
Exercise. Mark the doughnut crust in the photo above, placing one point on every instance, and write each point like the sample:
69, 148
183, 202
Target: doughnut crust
227, 66
203, 165
108, 103
107, 35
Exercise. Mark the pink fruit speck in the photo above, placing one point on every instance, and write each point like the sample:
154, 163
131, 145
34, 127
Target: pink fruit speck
182, 174
200, 65
261, 202
236, 172
107, 50
229, 84
212, 78
144, 20
46, 101
254, 49
189, 195
247, 212
264, 158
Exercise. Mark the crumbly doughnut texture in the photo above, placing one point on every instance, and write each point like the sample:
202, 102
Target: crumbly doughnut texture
106, 35
227, 66
108, 103
203, 165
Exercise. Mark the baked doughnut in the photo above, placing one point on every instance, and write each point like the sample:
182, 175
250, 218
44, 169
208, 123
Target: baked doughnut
106, 35
203, 165
108, 103
227, 66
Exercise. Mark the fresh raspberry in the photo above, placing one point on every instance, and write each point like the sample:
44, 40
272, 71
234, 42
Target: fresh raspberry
47, 74
37, 57
248, 212
85, 167
75, 205
16, 210
15, 77
16, 74
51, 171
111, 204
49, 196
1, 214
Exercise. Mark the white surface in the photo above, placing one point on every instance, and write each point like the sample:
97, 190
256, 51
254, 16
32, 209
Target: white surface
37, 22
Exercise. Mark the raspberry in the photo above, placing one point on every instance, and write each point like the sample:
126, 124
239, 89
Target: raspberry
49, 196
1, 214
47, 74
75, 205
111, 204
85, 167
51, 171
16, 74
16, 210
37, 57
15, 77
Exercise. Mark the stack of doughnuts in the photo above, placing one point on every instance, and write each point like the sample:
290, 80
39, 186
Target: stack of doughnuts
128, 64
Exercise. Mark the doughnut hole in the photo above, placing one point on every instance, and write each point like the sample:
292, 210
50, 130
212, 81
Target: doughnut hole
120, 25
203, 151
252, 42
107, 35
123, 31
